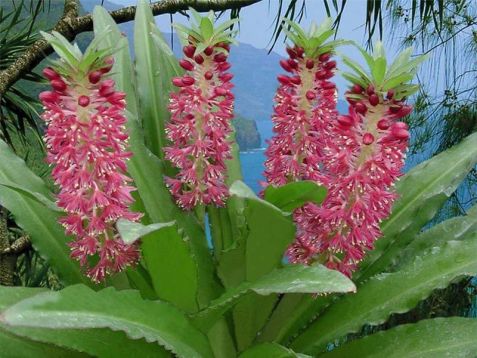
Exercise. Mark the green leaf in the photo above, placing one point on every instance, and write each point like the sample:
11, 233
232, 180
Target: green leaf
34, 217
206, 27
155, 68
131, 231
355, 79
400, 60
423, 190
122, 71
356, 68
270, 350
294, 195
291, 278
267, 234
78, 307
395, 81
439, 337
389, 293
379, 70
457, 228
172, 267
37, 342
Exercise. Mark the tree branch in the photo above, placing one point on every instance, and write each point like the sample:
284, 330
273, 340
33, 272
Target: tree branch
71, 25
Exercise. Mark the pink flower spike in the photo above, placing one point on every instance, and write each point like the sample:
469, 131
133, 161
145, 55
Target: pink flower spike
87, 148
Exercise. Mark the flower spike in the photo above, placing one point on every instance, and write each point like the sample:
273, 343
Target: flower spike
86, 143
201, 114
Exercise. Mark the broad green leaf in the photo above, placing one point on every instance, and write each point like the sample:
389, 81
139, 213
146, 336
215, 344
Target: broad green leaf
155, 67
131, 231
389, 293
439, 337
267, 234
397, 80
291, 278
400, 60
423, 190
78, 307
457, 228
172, 267
294, 195
40, 198
270, 350
37, 342
39, 221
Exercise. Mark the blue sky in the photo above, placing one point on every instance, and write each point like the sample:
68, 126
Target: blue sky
257, 21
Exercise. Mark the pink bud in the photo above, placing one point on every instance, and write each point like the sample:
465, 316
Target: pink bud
374, 99
370, 90
291, 52
400, 133
116, 97
360, 108
199, 59
292, 63
368, 138
321, 75
299, 51
219, 91
310, 95
226, 77
400, 125
189, 51
208, 75
405, 110
390, 94
83, 101
107, 88
186, 65
188, 80
48, 96
283, 79
285, 65
329, 65
357, 89
324, 57
58, 85
220, 57
177, 81
346, 121
309, 63
328, 85
95, 76
208, 50
223, 66
50, 73
295, 80
383, 124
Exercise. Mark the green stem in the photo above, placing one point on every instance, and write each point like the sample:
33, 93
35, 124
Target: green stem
215, 224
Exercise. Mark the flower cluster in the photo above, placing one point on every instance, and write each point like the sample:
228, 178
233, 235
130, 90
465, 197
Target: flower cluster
363, 158
305, 104
358, 156
200, 125
86, 142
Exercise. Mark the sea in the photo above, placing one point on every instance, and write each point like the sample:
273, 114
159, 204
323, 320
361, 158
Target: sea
252, 160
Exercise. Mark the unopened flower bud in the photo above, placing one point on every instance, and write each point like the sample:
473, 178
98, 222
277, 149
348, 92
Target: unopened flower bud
186, 65
83, 101
368, 138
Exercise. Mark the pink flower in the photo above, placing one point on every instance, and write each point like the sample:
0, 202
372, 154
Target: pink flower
86, 144
200, 125
305, 104
363, 157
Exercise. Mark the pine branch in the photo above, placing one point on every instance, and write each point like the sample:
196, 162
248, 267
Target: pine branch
70, 25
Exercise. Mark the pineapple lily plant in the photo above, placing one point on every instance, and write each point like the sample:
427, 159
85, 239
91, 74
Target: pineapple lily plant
164, 251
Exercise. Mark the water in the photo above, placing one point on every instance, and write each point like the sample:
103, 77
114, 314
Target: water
252, 161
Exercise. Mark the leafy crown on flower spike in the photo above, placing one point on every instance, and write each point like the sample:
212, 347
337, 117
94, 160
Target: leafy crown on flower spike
203, 34
382, 77
314, 42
